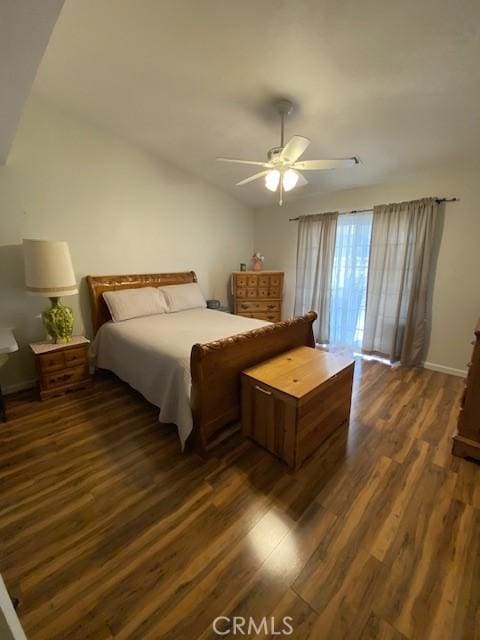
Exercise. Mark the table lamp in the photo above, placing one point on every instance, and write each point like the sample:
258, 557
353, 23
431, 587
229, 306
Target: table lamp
49, 273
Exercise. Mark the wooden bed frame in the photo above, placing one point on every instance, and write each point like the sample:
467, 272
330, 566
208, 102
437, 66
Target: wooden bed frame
215, 366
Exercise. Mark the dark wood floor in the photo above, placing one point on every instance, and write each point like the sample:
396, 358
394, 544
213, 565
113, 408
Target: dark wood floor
108, 531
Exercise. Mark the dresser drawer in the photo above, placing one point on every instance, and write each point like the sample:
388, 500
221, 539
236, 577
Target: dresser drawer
252, 293
275, 281
262, 305
65, 377
252, 281
51, 361
263, 281
240, 281
274, 316
274, 292
75, 356
241, 293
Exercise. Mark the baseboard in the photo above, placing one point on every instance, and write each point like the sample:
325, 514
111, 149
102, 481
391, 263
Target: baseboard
19, 386
433, 366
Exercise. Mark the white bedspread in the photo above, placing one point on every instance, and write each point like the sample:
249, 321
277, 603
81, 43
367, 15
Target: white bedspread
152, 354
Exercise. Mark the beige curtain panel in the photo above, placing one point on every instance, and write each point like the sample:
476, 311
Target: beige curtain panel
315, 251
399, 279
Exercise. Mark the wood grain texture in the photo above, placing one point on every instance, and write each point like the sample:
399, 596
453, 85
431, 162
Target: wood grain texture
108, 531
293, 402
216, 366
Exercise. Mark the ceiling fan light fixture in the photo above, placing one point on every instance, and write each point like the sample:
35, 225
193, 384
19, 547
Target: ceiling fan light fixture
272, 180
290, 179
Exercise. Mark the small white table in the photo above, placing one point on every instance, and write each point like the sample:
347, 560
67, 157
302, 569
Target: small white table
8, 345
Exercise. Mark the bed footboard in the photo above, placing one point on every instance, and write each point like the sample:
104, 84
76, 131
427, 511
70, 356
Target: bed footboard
216, 366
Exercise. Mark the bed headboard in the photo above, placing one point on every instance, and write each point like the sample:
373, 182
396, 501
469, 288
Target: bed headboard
98, 284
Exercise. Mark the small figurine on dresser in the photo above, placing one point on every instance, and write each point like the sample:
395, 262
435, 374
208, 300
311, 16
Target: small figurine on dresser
257, 261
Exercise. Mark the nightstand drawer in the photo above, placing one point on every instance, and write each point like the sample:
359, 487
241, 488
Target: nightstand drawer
75, 356
51, 361
65, 377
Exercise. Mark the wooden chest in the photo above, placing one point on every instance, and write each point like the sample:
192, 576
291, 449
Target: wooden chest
61, 367
258, 294
293, 402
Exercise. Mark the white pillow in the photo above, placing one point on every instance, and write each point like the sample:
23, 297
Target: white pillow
125, 304
180, 297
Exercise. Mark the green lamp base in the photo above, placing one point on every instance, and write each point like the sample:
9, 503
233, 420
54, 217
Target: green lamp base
58, 322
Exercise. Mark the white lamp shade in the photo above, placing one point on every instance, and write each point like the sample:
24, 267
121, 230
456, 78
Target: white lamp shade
48, 268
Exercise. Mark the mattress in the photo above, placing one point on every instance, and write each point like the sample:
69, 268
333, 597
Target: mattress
152, 354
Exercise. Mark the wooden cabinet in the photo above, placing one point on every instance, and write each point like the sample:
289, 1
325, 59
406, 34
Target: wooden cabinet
466, 442
293, 402
258, 294
61, 367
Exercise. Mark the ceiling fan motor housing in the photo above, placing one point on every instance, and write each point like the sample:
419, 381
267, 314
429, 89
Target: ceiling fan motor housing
274, 155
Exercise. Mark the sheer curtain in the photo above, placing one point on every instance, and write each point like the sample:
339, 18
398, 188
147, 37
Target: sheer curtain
315, 250
349, 279
399, 279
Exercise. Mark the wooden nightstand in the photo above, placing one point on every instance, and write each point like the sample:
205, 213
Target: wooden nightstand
61, 367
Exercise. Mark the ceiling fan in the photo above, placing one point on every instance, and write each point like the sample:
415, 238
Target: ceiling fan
282, 170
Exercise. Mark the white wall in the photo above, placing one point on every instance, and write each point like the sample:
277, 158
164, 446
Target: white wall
121, 210
456, 291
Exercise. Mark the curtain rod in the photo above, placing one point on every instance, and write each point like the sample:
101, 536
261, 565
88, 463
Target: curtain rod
371, 208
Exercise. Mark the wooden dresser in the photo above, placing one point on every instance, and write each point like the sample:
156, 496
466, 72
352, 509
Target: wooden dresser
258, 294
466, 442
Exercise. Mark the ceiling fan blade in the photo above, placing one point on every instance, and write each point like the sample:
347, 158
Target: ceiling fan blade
252, 178
301, 180
320, 165
260, 164
294, 148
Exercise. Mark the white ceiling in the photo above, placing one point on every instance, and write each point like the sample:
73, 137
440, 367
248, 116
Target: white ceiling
396, 83
25, 27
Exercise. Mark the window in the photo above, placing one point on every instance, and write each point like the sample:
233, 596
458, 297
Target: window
349, 279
